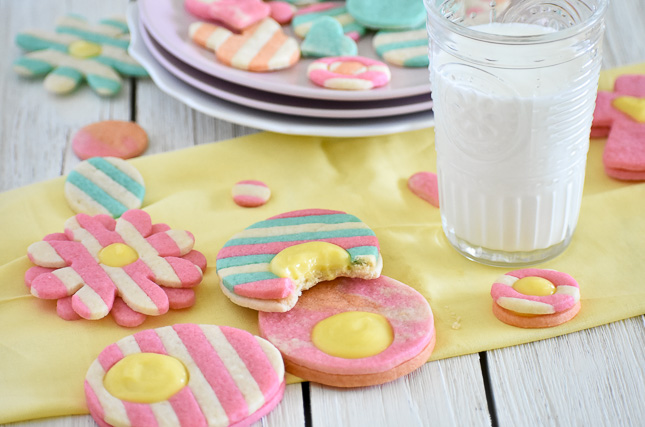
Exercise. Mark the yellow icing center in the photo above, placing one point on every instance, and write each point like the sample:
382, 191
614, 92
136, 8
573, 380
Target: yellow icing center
117, 255
146, 378
311, 259
633, 107
536, 286
353, 334
84, 49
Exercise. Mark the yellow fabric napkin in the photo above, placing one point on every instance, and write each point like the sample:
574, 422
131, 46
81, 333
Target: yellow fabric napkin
43, 359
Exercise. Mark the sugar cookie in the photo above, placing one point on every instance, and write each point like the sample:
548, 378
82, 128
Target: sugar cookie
268, 265
535, 298
424, 185
110, 138
251, 193
353, 332
78, 51
349, 73
243, 51
407, 48
98, 259
305, 17
235, 14
387, 14
185, 375
281, 11
104, 185
620, 116
326, 38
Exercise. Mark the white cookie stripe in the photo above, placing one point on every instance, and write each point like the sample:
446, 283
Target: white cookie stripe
345, 83
44, 255
248, 268
569, 290
254, 44
269, 351
282, 57
69, 278
298, 228
208, 35
525, 306
128, 345
107, 184
95, 307
83, 236
114, 408
251, 190
507, 280
131, 292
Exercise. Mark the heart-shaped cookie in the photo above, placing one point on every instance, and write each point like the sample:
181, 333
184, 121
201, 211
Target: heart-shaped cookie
261, 47
326, 38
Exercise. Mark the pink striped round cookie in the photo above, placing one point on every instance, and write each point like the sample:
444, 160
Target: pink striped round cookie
349, 73
353, 332
185, 375
535, 298
251, 193
261, 47
236, 14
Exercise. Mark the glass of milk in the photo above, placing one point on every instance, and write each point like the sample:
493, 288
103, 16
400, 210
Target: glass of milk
514, 86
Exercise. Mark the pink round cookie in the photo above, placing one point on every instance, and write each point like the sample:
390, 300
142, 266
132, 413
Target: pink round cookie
212, 376
424, 185
357, 310
251, 193
235, 14
110, 138
349, 73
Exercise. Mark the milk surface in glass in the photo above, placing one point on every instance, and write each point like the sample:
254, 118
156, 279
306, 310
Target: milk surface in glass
511, 148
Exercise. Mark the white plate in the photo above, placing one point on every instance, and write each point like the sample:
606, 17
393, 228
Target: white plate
269, 101
168, 23
245, 116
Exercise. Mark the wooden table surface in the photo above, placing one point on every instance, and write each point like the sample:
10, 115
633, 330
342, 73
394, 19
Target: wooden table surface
593, 377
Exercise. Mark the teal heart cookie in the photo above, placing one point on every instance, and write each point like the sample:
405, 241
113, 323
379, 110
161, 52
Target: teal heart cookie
387, 14
326, 38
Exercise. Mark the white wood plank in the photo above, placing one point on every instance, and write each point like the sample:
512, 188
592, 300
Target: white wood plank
444, 392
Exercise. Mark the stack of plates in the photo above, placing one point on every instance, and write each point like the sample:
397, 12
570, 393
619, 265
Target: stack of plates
283, 101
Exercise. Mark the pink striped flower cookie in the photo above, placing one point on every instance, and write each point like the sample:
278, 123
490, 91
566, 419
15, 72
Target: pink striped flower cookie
269, 264
535, 298
261, 47
251, 193
353, 332
235, 14
349, 73
128, 266
185, 375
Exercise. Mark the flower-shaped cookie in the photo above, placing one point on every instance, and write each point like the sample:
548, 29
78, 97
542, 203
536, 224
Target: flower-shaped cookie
79, 51
128, 266
620, 116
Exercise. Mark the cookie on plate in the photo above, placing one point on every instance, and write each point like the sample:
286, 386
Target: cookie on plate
535, 298
305, 17
185, 375
326, 38
349, 73
387, 14
405, 48
235, 14
353, 332
269, 264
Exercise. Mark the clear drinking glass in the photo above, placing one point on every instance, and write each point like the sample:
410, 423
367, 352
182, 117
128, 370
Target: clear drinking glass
514, 85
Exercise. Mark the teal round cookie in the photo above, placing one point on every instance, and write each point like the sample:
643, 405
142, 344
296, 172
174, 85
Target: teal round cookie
405, 48
387, 14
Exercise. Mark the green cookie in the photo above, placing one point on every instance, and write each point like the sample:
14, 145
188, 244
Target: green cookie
387, 14
326, 38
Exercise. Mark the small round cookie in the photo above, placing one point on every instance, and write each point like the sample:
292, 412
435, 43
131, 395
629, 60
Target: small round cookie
353, 332
305, 17
424, 185
269, 264
388, 14
251, 193
110, 138
407, 48
349, 73
535, 298
104, 185
185, 375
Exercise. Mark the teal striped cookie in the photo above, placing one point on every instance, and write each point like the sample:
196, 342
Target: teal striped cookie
407, 48
104, 185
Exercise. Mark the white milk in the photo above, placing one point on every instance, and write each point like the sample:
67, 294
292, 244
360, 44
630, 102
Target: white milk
511, 148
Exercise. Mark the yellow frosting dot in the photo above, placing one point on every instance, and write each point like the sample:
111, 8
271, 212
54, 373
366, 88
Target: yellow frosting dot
353, 334
117, 255
306, 260
536, 286
146, 378
84, 49
633, 107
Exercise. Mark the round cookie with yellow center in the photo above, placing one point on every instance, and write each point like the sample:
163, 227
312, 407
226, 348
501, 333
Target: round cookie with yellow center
185, 375
535, 298
353, 332
268, 265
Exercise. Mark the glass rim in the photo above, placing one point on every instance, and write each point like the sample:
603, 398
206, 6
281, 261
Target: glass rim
432, 8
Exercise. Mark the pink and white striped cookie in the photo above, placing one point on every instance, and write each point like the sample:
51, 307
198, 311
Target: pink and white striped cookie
98, 262
185, 375
349, 73
353, 332
261, 47
251, 193
535, 298
236, 14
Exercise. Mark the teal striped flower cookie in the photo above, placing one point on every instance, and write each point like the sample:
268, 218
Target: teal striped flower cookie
104, 185
79, 51
407, 48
